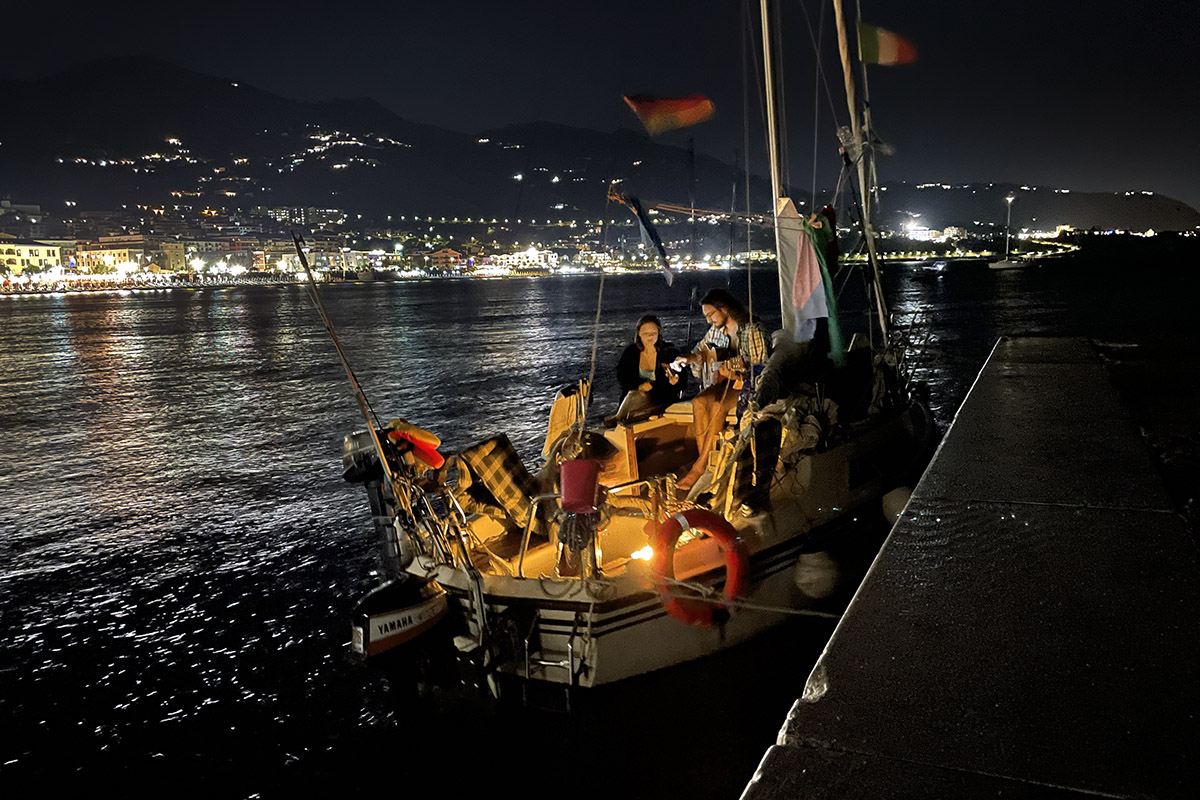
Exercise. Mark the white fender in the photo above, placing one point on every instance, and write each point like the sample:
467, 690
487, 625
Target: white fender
816, 574
894, 503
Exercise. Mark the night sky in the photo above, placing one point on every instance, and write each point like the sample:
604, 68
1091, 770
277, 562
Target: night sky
1099, 96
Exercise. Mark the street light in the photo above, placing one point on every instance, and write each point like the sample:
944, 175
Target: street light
1007, 224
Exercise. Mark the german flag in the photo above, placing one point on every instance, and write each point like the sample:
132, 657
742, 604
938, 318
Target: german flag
662, 114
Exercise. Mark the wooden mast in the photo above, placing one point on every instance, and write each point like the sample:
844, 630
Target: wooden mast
861, 164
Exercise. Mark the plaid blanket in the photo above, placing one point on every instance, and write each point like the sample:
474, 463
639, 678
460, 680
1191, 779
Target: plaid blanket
493, 480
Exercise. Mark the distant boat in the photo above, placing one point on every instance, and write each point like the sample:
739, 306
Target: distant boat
1010, 263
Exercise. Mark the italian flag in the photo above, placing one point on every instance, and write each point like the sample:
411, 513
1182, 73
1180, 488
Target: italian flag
662, 114
877, 46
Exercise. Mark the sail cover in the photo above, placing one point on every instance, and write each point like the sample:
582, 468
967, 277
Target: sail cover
804, 276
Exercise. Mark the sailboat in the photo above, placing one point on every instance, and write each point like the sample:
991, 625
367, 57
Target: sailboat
594, 569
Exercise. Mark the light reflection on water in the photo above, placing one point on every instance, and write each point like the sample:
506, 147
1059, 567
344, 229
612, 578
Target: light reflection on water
178, 552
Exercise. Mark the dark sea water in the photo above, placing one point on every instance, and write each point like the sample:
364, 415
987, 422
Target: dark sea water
179, 554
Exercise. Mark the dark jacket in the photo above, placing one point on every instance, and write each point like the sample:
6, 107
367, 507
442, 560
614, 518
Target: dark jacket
661, 390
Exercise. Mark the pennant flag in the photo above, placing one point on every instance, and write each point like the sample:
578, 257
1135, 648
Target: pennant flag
877, 46
643, 219
662, 114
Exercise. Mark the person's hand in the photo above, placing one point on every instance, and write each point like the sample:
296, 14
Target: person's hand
673, 378
645, 387
680, 363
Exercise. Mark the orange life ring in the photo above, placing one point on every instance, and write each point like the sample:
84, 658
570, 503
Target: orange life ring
693, 611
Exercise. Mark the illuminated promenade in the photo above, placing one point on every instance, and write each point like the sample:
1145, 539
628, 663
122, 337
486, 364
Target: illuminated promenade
77, 285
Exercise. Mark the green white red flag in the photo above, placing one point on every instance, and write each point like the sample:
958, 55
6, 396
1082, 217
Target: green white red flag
878, 46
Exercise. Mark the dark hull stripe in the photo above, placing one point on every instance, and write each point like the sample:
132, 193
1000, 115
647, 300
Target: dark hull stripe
645, 606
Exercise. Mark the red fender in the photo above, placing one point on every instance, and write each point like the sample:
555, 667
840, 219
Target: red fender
693, 611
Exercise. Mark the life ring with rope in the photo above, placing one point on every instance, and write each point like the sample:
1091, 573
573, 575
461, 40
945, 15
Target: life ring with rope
689, 610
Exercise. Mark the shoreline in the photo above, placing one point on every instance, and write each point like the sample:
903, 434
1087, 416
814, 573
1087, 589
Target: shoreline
116, 287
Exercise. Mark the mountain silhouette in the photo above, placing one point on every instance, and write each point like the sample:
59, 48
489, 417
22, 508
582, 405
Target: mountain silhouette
139, 130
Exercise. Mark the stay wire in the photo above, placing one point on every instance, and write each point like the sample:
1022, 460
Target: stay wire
746, 147
595, 346
780, 72
821, 79
817, 74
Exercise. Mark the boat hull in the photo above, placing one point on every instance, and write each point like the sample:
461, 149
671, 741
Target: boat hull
607, 629
589, 644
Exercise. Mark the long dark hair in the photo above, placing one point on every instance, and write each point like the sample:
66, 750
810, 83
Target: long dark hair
719, 298
646, 318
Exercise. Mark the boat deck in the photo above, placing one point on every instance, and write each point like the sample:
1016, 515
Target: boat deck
1031, 627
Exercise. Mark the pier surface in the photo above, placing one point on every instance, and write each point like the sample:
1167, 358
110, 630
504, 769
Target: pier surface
1031, 627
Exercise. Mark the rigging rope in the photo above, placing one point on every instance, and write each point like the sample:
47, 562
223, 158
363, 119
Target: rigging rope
781, 102
746, 146
595, 345
833, 107
817, 75
709, 594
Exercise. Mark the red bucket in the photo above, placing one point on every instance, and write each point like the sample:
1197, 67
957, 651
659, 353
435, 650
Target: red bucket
579, 485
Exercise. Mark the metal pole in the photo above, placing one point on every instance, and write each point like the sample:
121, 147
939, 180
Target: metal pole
1007, 225
785, 291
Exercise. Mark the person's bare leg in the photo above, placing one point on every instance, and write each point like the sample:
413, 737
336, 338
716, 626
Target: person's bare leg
709, 418
716, 422
701, 420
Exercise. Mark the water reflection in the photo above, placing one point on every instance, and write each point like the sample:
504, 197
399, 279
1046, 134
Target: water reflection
179, 554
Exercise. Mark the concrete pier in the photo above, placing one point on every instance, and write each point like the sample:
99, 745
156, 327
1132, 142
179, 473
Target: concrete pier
1031, 628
